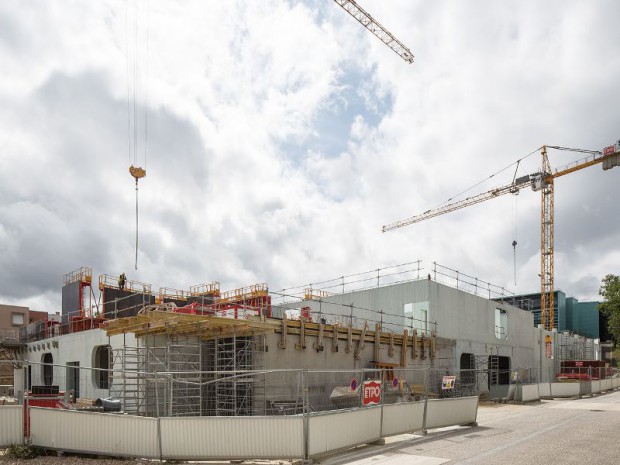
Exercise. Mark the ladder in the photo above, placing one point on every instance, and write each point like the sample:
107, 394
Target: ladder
494, 370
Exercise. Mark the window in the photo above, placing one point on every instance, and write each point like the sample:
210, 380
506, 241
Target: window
101, 360
501, 324
17, 319
416, 316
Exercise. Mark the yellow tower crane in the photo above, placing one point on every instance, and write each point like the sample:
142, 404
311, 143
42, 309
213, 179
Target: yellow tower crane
542, 181
370, 23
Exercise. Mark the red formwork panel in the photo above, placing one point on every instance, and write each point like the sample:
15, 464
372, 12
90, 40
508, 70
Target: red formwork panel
41, 400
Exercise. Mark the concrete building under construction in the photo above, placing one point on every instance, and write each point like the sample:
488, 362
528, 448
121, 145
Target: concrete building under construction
208, 352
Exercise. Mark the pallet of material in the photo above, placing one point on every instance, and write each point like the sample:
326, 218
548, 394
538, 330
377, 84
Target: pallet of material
84, 402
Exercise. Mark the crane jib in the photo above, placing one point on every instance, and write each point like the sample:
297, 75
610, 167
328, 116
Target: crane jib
542, 181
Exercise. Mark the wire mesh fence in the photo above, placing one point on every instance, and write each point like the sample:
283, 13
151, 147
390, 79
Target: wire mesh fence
259, 392
226, 393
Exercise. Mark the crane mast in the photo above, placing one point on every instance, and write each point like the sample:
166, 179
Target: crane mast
547, 317
376, 28
542, 181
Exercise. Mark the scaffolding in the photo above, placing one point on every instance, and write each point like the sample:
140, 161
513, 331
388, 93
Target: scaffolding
229, 390
185, 362
159, 380
127, 379
481, 366
189, 364
574, 347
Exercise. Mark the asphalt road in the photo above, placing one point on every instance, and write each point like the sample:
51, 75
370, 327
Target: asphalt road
580, 431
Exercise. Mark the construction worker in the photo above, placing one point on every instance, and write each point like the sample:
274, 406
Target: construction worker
121, 282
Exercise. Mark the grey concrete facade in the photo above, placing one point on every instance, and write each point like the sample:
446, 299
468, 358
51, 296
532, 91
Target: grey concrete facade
466, 319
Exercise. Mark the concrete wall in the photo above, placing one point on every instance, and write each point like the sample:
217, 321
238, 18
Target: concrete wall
34, 315
545, 367
467, 319
75, 347
293, 357
339, 365
368, 303
470, 320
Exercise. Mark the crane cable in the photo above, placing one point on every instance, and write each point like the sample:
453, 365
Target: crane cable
486, 179
514, 233
136, 171
514, 241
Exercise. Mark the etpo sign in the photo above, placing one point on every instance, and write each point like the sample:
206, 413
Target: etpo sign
371, 392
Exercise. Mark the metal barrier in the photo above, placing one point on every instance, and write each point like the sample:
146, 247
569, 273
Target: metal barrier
11, 425
270, 414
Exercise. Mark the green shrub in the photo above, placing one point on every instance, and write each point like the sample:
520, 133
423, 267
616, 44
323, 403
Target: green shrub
23, 451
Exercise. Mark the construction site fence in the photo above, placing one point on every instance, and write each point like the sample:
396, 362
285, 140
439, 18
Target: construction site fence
228, 393
75, 386
272, 414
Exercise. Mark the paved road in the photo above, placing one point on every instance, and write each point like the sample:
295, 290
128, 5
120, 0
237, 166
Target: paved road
580, 432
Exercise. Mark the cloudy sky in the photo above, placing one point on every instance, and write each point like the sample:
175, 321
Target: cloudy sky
279, 136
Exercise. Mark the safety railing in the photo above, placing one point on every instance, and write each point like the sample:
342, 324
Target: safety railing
83, 274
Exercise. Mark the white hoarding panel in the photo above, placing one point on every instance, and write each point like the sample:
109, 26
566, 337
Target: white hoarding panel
11, 425
340, 429
449, 412
93, 432
204, 438
402, 418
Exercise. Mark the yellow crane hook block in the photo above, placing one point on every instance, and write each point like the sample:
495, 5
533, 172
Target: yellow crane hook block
137, 172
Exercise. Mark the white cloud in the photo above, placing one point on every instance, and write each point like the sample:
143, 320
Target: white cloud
281, 136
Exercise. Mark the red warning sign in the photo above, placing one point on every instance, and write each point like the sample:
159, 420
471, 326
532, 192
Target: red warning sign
371, 392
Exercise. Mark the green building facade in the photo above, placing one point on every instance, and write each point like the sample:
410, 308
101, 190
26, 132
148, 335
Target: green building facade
583, 318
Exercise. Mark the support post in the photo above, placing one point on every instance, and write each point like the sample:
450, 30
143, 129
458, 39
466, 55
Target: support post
382, 402
282, 342
377, 347
335, 338
426, 381
403, 349
301, 345
304, 382
158, 419
26, 403
349, 345
361, 342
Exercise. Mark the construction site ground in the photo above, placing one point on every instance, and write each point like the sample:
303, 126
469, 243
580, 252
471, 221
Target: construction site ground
574, 431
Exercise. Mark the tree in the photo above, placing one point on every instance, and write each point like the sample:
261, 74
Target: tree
610, 307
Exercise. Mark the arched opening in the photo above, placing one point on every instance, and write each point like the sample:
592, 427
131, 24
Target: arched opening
101, 361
